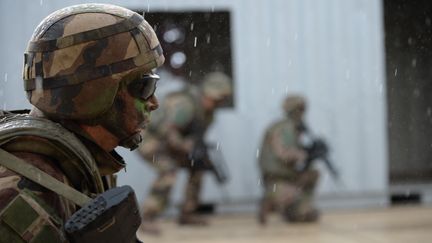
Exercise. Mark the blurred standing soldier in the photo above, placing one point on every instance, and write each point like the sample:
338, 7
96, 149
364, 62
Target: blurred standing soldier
88, 72
169, 141
285, 188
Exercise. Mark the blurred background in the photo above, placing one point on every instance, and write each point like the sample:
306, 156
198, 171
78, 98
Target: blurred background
363, 65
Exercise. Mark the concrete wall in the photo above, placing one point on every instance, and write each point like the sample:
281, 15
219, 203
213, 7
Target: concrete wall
332, 51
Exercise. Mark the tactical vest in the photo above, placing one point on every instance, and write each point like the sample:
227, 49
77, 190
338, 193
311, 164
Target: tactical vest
72, 157
270, 164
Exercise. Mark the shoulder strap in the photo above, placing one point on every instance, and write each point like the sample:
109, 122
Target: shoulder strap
21, 167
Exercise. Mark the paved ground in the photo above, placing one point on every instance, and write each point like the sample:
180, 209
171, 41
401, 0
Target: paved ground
392, 225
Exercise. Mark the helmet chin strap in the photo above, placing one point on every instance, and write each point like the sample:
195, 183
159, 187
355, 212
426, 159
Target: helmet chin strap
131, 142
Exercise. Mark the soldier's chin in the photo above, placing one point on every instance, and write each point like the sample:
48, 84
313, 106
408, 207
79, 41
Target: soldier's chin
131, 142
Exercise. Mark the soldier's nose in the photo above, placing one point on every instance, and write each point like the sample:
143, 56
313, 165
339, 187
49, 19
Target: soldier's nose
153, 103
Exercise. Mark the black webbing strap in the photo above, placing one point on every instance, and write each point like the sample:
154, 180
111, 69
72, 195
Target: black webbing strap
90, 35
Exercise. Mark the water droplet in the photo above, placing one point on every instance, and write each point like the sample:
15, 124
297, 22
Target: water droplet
268, 41
395, 72
428, 21
195, 41
190, 73
381, 88
410, 40
416, 92
208, 38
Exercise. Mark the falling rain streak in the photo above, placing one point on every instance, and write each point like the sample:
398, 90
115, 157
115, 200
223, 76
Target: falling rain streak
195, 41
395, 72
5, 77
257, 153
192, 26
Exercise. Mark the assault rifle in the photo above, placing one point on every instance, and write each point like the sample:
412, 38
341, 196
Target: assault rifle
200, 160
317, 150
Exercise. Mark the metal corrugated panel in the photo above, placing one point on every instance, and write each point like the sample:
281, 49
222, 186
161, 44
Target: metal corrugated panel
332, 51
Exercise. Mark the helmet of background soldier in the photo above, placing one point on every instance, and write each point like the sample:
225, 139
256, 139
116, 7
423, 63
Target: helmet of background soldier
78, 56
217, 86
294, 103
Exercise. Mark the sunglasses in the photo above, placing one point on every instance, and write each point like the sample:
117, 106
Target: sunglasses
144, 86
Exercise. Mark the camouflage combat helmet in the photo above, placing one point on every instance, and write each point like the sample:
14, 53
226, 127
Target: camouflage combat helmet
78, 55
293, 103
216, 85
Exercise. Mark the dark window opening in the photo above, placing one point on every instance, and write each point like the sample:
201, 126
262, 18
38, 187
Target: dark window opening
194, 43
408, 40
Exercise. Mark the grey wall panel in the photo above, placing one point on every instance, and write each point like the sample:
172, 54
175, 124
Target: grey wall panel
332, 51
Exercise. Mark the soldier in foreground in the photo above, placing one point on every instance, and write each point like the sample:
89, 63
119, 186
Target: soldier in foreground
287, 188
170, 141
88, 72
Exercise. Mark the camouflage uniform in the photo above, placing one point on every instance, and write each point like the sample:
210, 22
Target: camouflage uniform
88, 74
285, 189
169, 140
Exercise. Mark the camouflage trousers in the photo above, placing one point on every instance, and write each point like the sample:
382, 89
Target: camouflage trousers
158, 198
292, 197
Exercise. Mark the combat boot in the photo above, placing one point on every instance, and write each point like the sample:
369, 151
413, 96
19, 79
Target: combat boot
309, 216
265, 208
149, 224
191, 219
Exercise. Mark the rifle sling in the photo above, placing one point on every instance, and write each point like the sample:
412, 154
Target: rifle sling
29, 171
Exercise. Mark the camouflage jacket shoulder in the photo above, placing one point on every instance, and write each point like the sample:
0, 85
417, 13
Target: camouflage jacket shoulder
279, 138
55, 142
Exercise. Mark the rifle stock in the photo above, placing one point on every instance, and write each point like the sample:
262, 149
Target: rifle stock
201, 161
318, 151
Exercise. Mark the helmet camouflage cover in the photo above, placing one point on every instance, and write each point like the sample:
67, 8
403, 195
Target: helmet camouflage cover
293, 102
78, 55
217, 85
